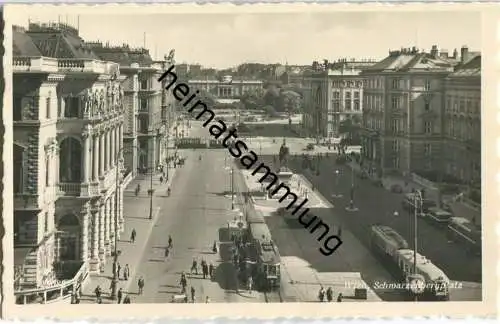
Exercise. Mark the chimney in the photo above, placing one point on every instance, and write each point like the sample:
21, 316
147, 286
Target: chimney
464, 53
434, 51
455, 54
444, 53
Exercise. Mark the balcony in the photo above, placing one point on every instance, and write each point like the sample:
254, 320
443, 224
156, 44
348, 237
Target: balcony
34, 64
52, 65
67, 189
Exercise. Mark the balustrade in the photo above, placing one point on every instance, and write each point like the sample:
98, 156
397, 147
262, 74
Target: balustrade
69, 189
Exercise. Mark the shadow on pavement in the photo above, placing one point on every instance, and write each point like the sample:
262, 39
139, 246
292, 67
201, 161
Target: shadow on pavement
225, 276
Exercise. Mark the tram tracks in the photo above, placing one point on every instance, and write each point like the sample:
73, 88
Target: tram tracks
273, 296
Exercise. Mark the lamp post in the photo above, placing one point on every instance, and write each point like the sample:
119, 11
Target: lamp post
351, 206
114, 281
417, 284
337, 178
232, 188
168, 161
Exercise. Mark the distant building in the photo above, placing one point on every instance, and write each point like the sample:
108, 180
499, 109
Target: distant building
68, 119
404, 115
145, 133
335, 94
227, 88
462, 120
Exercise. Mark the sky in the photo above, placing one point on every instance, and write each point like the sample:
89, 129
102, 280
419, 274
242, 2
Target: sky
223, 40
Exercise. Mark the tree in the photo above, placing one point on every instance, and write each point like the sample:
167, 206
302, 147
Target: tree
350, 127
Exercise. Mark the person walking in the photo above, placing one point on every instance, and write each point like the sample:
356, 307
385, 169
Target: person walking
170, 242
98, 292
321, 294
140, 284
126, 300
133, 235
329, 294
161, 179
211, 270
192, 294
167, 252
126, 272
119, 295
118, 269
194, 267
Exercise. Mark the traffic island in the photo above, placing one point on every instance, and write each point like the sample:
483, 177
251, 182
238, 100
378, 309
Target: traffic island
351, 207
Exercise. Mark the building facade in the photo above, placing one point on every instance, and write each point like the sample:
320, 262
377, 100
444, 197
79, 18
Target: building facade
336, 94
228, 88
68, 132
146, 134
462, 122
404, 117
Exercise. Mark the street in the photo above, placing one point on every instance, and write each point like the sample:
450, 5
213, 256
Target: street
192, 215
377, 205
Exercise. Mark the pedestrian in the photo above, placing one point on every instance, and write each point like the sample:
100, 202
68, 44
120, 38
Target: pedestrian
132, 235
339, 298
118, 268
211, 270
205, 270
119, 295
207, 300
192, 294
329, 294
168, 191
126, 300
250, 284
166, 252
321, 294
194, 267
140, 284
170, 241
126, 272
161, 179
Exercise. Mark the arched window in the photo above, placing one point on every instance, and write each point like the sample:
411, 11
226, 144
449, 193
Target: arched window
19, 169
69, 238
143, 123
70, 160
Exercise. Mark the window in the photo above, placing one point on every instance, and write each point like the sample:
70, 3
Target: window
347, 105
336, 106
395, 146
71, 107
356, 105
144, 84
336, 95
46, 223
17, 106
448, 104
427, 85
428, 127
47, 106
462, 106
427, 149
395, 103
47, 168
395, 83
70, 161
427, 106
348, 94
395, 125
395, 162
356, 94
143, 104
19, 169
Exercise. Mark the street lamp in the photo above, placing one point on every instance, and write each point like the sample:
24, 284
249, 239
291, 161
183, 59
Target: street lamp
337, 178
417, 199
114, 281
232, 188
351, 206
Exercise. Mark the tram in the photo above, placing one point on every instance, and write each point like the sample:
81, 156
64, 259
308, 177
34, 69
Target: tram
264, 257
465, 232
393, 249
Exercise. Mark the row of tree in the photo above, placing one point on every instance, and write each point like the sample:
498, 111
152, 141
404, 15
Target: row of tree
274, 99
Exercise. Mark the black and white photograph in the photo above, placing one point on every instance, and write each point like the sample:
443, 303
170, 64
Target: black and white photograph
206, 157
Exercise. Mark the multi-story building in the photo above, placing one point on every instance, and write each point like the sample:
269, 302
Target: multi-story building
68, 132
145, 129
228, 88
336, 94
403, 115
462, 120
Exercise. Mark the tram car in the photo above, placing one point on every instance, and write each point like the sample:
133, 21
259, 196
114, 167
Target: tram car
236, 229
264, 256
393, 249
462, 231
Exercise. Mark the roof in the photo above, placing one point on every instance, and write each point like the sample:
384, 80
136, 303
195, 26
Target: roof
471, 68
123, 55
411, 60
424, 265
391, 235
22, 44
268, 251
59, 42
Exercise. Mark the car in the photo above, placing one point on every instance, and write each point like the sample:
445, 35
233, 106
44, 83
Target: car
309, 147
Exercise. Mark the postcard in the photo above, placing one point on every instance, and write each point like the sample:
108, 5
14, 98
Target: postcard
256, 161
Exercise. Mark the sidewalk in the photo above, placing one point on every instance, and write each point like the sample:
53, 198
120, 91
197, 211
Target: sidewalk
136, 215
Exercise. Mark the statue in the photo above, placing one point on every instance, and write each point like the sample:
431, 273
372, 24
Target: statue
86, 101
101, 101
95, 100
122, 96
113, 98
108, 96
170, 58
